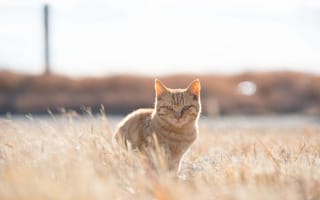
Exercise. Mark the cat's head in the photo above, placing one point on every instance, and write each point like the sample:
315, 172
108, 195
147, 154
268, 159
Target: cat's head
178, 107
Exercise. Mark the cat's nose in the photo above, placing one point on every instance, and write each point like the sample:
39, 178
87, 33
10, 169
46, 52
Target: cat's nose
177, 114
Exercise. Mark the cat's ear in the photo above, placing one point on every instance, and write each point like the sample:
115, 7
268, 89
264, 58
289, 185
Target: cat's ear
194, 88
160, 88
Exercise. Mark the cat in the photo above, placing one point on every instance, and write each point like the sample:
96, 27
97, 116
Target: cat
172, 123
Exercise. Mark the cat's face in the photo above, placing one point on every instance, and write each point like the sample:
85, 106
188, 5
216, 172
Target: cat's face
178, 107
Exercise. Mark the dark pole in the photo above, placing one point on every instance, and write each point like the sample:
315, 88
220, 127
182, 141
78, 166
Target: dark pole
46, 38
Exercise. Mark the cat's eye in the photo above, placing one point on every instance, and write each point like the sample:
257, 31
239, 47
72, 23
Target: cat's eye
185, 108
169, 108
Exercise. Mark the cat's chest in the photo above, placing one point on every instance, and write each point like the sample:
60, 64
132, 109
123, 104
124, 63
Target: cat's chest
175, 142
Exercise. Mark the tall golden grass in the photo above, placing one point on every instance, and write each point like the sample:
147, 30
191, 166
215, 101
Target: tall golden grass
73, 157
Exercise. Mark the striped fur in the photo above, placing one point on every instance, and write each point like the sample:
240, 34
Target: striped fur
173, 121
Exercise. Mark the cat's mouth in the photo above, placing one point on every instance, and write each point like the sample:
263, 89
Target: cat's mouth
178, 122
177, 119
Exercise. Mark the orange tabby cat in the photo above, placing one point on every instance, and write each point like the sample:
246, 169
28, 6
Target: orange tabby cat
173, 121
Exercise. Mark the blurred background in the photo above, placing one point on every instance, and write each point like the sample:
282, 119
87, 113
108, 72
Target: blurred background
253, 57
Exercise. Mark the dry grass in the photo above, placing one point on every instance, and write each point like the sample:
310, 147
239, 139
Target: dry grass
73, 157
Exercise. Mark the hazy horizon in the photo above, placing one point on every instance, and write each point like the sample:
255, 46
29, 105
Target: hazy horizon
162, 37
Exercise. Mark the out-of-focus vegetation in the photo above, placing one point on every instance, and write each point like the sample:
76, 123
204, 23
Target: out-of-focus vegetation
276, 92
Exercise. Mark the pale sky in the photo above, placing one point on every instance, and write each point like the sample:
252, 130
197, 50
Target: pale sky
96, 37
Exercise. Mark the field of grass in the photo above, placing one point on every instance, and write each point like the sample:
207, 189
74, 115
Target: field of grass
73, 157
